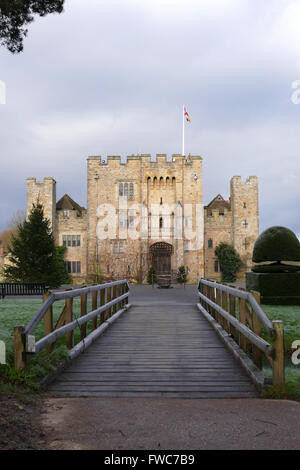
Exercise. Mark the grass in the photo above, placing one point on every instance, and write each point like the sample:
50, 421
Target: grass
290, 315
15, 312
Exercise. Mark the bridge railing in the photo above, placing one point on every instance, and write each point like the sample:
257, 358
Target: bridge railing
108, 300
241, 317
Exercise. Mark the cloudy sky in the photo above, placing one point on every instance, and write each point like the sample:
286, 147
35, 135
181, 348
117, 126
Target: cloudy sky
110, 78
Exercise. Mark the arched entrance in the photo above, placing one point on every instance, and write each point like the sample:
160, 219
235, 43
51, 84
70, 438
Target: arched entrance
160, 257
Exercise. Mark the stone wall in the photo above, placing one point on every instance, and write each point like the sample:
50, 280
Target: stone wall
161, 189
164, 202
245, 215
74, 224
238, 225
45, 193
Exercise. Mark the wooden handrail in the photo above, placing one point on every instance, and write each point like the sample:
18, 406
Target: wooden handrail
52, 337
222, 309
253, 338
116, 302
63, 296
246, 296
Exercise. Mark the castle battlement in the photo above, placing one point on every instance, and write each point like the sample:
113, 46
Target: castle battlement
214, 215
250, 181
159, 158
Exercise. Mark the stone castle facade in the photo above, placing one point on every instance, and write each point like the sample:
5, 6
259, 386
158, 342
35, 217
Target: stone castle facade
142, 213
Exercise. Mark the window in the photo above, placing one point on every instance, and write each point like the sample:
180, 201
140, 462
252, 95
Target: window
210, 243
126, 190
187, 221
123, 221
245, 205
216, 266
66, 214
161, 222
71, 241
186, 246
118, 247
161, 201
131, 191
131, 221
73, 267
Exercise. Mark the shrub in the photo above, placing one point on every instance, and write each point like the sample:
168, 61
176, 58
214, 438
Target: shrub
230, 261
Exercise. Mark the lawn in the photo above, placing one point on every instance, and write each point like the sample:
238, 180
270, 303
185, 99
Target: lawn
15, 312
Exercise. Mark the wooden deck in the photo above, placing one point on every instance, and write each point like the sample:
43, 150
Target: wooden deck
156, 350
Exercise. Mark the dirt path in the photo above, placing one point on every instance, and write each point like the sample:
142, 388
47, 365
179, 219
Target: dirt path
158, 424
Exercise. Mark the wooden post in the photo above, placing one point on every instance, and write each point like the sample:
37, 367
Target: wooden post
102, 302
94, 307
278, 361
108, 299
242, 319
69, 318
19, 348
48, 320
226, 325
114, 309
118, 290
232, 306
218, 302
126, 289
83, 312
256, 326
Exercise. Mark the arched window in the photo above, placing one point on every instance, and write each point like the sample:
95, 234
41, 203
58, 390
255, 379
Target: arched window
126, 189
121, 189
161, 222
210, 243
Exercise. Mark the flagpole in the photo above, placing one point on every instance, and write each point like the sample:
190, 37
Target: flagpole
183, 130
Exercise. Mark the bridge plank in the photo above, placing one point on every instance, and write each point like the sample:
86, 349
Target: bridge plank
156, 351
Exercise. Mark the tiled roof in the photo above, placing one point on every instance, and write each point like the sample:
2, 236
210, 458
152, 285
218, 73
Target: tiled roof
66, 202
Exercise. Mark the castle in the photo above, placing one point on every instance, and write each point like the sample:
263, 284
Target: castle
142, 213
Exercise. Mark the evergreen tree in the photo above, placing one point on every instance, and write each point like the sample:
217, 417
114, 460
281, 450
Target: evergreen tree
230, 261
181, 275
151, 273
33, 254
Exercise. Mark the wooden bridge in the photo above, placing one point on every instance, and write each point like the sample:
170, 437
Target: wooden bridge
166, 344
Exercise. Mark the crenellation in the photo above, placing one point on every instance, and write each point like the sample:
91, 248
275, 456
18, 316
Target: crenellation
152, 201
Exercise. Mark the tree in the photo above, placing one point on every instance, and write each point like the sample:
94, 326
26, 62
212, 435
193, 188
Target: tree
16, 219
181, 275
15, 15
33, 255
151, 277
230, 261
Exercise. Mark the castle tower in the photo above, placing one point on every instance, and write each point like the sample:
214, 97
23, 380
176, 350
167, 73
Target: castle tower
153, 214
245, 216
45, 193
